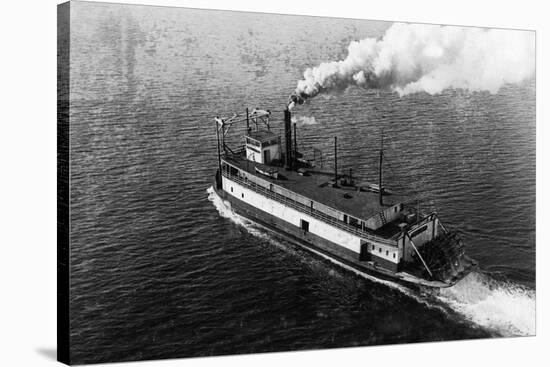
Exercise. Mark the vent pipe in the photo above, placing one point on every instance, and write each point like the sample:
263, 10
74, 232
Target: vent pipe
247, 122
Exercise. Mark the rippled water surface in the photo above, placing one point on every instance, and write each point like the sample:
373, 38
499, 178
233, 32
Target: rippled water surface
161, 269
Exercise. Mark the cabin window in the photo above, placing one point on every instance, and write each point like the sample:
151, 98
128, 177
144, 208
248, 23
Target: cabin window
379, 249
304, 224
373, 247
242, 195
231, 189
394, 255
387, 252
395, 209
345, 218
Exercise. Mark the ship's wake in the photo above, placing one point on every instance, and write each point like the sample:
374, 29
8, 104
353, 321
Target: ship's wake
224, 209
502, 308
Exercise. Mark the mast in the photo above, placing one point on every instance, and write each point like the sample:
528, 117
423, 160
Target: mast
335, 161
380, 167
219, 156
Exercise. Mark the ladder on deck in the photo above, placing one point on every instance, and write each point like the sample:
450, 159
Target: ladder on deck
383, 218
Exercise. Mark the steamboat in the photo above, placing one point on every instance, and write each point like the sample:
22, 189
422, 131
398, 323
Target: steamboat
360, 225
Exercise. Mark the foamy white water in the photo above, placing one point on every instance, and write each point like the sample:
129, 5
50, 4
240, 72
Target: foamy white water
224, 208
506, 308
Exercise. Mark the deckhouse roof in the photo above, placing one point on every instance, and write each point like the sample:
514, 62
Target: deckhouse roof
261, 135
316, 186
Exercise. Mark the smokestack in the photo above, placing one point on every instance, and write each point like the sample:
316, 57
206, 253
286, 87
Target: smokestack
288, 140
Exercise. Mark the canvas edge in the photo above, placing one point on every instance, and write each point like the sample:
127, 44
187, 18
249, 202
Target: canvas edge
63, 191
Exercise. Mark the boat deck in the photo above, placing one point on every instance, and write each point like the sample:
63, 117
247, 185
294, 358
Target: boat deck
318, 186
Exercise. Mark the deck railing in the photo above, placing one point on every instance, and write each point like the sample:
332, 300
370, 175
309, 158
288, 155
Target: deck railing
307, 210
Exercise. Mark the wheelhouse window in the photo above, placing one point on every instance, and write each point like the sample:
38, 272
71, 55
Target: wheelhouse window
253, 142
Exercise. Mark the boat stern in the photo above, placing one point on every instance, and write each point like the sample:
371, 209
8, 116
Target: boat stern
445, 256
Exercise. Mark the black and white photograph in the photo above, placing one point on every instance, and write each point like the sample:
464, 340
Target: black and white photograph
244, 183
238, 182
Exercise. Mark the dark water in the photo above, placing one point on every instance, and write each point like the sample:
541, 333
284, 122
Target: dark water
160, 269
